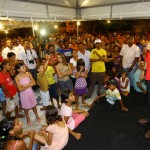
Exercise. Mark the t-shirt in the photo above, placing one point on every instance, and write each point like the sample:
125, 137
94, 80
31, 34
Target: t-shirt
136, 78
129, 54
60, 136
67, 111
42, 81
66, 52
147, 59
98, 66
74, 63
7, 81
49, 75
115, 93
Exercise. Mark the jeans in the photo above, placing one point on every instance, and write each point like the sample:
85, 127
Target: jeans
130, 74
66, 85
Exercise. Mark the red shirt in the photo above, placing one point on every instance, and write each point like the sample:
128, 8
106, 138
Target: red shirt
7, 81
147, 59
53, 59
1, 58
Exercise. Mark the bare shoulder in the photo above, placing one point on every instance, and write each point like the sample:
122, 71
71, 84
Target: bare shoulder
21, 145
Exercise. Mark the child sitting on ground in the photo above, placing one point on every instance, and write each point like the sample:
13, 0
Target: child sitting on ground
124, 84
112, 94
72, 117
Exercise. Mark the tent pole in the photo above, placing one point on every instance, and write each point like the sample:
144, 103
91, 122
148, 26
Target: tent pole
32, 26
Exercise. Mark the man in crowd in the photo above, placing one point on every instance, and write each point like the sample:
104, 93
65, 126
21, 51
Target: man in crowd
98, 58
10, 48
130, 54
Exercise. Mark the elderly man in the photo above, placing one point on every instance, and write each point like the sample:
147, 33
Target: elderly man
98, 58
138, 79
10, 48
130, 54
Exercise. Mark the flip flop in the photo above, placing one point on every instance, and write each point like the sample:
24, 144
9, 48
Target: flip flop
29, 123
38, 120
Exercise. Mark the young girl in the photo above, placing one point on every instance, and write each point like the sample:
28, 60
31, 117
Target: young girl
10, 130
80, 84
10, 90
72, 117
64, 71
124, 84
55, 136
25, 81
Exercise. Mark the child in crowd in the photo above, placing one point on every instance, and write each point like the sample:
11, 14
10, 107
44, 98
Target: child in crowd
64, 71
3, 101
43, 83
10, 90
25, 81
112, 94
53, 90
55, 136
80, 84
124, 84
72, 117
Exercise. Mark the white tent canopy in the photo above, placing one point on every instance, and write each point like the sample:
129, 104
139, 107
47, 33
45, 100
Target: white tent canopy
62, 10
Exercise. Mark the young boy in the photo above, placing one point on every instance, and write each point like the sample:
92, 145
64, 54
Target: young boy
43, 83
112, 94
53, 91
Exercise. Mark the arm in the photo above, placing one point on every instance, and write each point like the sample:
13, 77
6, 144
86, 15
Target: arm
140, 86
133, 64
46, 63
126, 85
6, 91
102, 58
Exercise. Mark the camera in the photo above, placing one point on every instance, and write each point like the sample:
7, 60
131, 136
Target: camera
31, 61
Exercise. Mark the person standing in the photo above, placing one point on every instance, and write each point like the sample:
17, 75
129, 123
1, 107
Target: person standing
29, 58
129, 56
146, 121
98, 58
10, 48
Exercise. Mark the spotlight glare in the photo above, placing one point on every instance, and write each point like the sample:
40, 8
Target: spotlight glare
55, 26
108, 21
43, 32
1, 26
6, 31
35, 27
78, 23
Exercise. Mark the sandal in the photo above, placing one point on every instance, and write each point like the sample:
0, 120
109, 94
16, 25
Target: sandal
20, 116
42, 109
38, 120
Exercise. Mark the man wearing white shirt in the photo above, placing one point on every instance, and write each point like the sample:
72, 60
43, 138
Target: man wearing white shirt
9, 48
29, 57
130, 54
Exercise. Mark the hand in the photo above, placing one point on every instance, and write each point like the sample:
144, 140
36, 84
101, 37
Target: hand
11, 97
130, 69
95, 52
124, 109
144, 91
31, 133
77, 136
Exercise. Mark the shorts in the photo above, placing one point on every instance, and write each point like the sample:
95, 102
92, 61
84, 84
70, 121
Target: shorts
11, 104
111, 100
45, 97
78, 118
53, 91
2, 96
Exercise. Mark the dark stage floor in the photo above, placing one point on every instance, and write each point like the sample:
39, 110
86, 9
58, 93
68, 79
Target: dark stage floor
108, 128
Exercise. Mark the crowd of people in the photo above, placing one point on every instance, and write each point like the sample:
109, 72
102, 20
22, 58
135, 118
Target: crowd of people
66, 68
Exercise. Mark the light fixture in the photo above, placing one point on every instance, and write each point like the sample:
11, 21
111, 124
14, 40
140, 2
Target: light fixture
35, 27
108, 21
78, 23
1, 26
55, 26
6, 31
43, 32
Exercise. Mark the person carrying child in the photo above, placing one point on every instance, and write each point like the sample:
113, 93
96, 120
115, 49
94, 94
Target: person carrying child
112, 94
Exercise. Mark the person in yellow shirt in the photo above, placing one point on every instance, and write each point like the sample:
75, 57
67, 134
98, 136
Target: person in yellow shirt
53, 91
98, 58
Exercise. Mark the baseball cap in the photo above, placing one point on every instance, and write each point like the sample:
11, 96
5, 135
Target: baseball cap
97, 41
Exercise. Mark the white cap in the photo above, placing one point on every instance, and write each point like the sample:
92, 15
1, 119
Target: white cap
97, 41
148, 46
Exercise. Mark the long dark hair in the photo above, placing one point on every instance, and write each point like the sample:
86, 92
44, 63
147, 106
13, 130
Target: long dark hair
80, 62
6, 125
52, 115
3, 64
